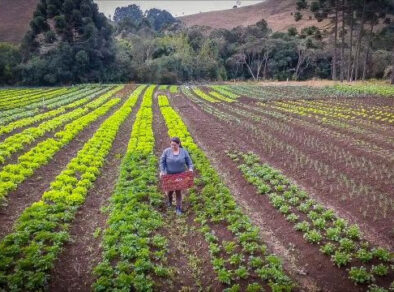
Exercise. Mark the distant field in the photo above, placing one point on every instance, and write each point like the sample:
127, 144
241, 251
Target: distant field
293, 187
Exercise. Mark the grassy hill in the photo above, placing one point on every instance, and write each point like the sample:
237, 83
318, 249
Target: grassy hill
277, 13
15, 16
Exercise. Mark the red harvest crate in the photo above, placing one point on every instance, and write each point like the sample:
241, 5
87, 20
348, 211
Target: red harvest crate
179, 181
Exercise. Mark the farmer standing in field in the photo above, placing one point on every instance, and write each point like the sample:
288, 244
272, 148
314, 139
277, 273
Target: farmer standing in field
175, 160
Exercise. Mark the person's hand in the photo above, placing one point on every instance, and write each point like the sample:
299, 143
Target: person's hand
191, 169
161, 173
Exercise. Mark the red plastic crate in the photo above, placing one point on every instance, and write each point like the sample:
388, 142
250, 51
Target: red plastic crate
179, 181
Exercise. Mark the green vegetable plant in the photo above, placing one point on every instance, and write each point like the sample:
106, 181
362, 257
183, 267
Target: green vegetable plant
342, 242
13, 174
28, 253
242, 257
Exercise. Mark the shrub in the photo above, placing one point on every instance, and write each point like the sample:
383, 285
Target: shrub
360, 275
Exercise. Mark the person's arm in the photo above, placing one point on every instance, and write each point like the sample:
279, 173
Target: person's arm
188, 161
163, 165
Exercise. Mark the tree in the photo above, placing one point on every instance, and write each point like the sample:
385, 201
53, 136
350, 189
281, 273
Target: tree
342, 67
132, 12
253, 55
159, 18
350, 59
301, 4
392, 68
297, 16
292, 31
355, 68
334, 61
9, 59
82, 46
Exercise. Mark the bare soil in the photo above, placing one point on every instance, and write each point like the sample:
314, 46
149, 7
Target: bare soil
376, 226
188, 251
304, 262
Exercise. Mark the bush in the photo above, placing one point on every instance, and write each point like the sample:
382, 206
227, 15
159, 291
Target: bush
50, 36
297, 16
360, 275
9, 59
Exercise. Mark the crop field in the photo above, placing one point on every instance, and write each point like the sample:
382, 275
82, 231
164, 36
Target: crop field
294, 188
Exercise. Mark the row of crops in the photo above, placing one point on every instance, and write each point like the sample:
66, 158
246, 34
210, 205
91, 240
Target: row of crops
134, 253
341, 141
36, 124
311, 135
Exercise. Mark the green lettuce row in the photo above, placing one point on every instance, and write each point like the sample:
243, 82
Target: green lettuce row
203, 95
20, 140
220, 96
246, 255
6, 93
207, 107
320, 225
285, 92
27, 254
37, 98
45, 95
35, 108
16, 94
131, 253
36, 118
364, 89
14, 174
174, 89
225, 91
75, 97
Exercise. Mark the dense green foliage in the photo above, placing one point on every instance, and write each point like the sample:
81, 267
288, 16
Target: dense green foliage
71, 42
9, 59
133, 15
68, 42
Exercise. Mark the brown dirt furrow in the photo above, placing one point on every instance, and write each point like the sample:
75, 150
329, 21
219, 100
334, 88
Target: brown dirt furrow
188, 251
378, 230
320, 140
74, 265
379, 138
376, 102
303, 261
383, 145
373, 105
32, 188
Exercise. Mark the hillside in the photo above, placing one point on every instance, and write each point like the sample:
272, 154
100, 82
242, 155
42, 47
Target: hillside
277, 13
15, 16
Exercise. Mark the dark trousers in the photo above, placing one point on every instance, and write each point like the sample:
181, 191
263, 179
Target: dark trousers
178, 197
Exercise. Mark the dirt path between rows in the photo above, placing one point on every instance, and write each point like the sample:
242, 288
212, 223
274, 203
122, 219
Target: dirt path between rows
74, 265
188, 251
377, 230
328, 187
33, 187
304, 262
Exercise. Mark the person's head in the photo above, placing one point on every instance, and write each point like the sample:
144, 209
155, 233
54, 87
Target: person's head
175, 143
